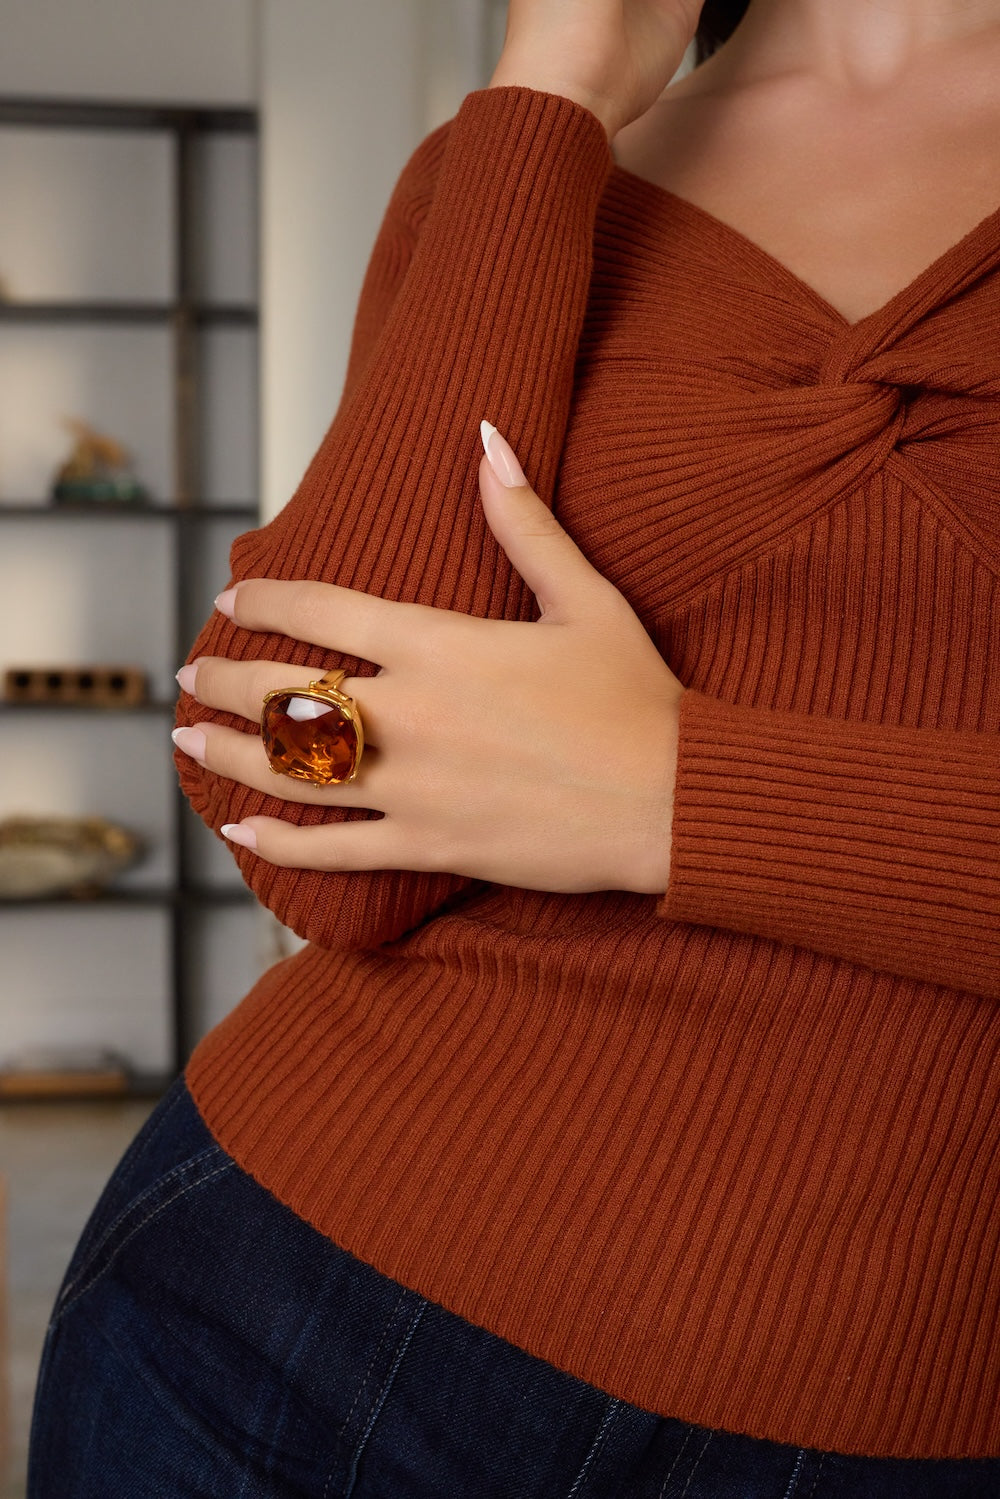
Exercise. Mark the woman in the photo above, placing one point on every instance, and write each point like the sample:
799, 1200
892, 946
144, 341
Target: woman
629, 1124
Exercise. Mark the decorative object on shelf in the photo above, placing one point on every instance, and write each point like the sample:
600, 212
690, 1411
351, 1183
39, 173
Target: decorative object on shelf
74, 856
52, 1070
97, 471
94, 686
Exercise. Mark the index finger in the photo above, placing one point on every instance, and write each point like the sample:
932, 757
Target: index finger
382, 631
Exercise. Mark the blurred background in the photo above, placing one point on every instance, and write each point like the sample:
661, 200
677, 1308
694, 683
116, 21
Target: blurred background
189, 190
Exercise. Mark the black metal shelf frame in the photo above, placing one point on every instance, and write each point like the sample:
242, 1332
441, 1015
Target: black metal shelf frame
183, 318
105, 710
191, 895
124, 510
128, 313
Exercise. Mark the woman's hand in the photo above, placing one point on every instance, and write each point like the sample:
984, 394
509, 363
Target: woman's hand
613, 56
536, 754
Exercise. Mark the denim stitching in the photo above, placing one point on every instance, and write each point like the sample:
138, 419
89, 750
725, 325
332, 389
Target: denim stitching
364, 1380
131, 1235
793, 1481
596, 1445
378, 1349
687, 1437
697, 1462
819, 1469
380, 1399
132, 1204
383, 1393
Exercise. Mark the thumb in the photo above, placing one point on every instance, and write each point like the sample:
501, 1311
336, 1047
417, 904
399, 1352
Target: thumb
546, 556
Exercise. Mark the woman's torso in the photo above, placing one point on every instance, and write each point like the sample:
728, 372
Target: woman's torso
750, 1182
725, 1177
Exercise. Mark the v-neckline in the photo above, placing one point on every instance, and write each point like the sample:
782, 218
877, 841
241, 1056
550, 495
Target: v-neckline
985, 227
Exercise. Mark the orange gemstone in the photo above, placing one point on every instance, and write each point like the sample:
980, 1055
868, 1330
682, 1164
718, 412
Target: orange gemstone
309, 739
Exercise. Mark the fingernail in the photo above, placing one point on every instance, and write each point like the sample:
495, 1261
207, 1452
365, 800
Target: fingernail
501, 455
192, 742
224, 602
186, 676
245, 837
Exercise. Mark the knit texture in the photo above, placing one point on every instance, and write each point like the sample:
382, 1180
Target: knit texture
732, 1153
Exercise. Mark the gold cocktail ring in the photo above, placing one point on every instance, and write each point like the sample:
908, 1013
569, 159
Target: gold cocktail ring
313, 733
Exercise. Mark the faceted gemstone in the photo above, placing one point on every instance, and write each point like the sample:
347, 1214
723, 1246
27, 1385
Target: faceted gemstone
308, 739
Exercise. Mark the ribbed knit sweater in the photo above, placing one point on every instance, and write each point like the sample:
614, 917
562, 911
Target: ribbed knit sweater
732, 1153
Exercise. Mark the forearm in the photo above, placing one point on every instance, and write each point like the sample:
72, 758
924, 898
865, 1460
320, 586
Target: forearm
876, 844
612, 59
497, 284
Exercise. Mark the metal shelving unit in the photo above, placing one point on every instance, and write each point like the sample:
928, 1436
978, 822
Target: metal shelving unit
183, 318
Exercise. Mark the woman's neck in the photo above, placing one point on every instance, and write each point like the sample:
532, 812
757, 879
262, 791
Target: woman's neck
858, 44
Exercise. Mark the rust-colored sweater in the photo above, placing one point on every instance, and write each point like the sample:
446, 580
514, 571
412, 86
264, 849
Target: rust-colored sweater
732, 1154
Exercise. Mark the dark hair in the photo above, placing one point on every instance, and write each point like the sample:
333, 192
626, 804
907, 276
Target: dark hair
719, 19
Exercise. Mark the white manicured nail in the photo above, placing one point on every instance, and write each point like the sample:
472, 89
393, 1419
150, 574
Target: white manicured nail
245, 837
503, 460
192, 742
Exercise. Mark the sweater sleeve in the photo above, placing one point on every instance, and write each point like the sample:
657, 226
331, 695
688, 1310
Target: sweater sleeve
472, 307
876, 844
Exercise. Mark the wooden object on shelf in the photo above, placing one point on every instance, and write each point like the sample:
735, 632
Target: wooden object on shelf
99, 686
64, 1084
55, 1072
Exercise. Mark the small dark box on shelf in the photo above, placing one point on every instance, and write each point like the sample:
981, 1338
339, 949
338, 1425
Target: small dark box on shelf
100, 686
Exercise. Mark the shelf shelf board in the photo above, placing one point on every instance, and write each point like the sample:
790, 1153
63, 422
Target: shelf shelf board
144, 898
237, 510
229, 315
149, 1084
217, 895
70, 1089
235, 314
155, 705
77, 114
126, 510
187, 895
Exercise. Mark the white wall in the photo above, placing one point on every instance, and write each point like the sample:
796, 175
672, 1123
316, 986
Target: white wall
341, 105
177, 51
347, 90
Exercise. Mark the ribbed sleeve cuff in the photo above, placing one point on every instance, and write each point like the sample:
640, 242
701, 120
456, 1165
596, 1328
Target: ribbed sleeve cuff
522, 144
871, 843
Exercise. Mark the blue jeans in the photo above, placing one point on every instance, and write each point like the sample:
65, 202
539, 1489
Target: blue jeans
206, 1342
